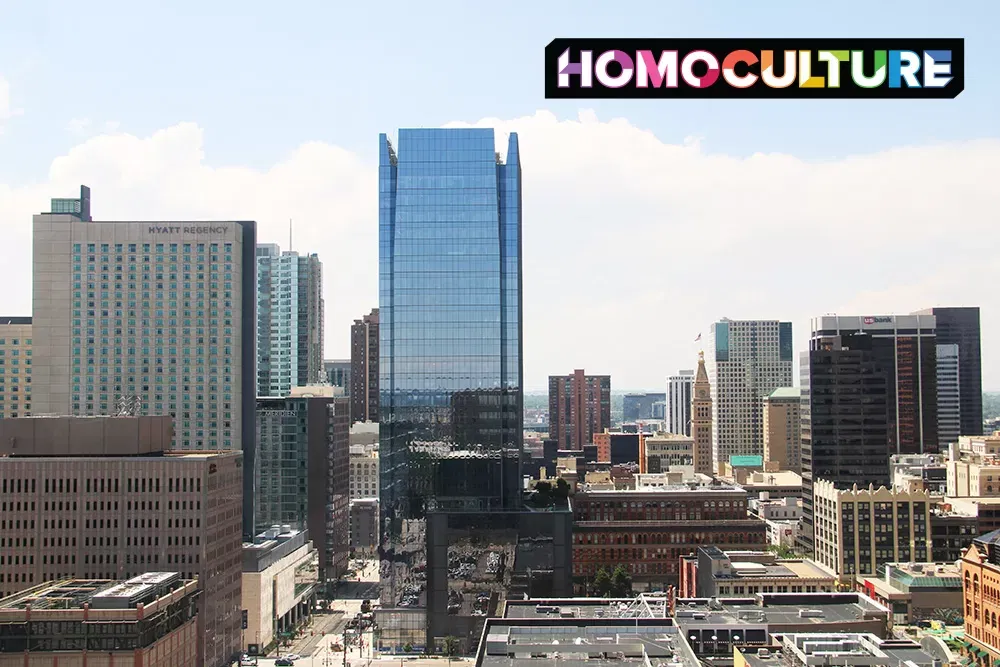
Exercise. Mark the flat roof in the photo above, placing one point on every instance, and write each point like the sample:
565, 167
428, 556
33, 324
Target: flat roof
786, 392
590, 643
69, 594
778, 609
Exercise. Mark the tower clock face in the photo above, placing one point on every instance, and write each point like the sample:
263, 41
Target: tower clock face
701, 393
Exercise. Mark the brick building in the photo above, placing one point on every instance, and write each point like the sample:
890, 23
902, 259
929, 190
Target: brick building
650, 529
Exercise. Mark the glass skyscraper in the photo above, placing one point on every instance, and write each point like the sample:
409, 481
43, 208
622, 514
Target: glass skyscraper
289, 320
449, 380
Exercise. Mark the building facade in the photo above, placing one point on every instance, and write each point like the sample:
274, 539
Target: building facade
748, 360
664, 451
641, 407
364, 471
648, 530
164, 311
364, 392
980, 583
679, 388
338, 373
858, 530
15, 367
579, 407
364, 526
701, 419
147, 621
949, 394
711, 572
279, 586
303, 476
450, 369
289, 320
783, 430
960, 326
97, 498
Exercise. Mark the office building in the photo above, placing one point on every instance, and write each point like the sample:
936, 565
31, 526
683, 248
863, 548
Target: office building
99, 498
303, 474
918, 591
960, 326
338, 373
949, 397
15, 367
711, 572
748, 360
579, 407
450, 369
783, 430
905, 347
162, 311
364, 471
649, 529
364, 527
858, 530
679, 389
147, 621
289, 320
279, 586
365, 369
700, 414
641, 407
666, 451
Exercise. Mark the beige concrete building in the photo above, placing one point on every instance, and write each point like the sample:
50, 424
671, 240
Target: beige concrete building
858, 530
783, 430
147, 621
973, 467
280, 582
364, 471
15, 366
701, 419
917, 591
665, 451
77, 500
712, 572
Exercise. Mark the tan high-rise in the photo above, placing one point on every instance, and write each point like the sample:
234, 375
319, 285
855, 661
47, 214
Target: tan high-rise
783, 430
15, 366
701, 419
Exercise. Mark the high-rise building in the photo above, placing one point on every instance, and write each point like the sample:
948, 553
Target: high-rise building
289, 320
15, 366
679, 402
949, 394
783, 429
960, 326
302, 476
701, 418
338, 373
748, 360
365, 368
579, 407
906, 347
99, 498
162, 311
639, 407
450, 408
846, 416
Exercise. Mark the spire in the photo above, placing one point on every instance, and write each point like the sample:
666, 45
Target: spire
702, 375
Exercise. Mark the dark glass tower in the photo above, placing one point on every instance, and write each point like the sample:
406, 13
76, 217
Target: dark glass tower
454, 536
960, 326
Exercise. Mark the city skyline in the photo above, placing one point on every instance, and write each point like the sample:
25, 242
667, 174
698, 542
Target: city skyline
798, 176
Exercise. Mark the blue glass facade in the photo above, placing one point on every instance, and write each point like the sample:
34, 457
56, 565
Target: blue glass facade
450, 339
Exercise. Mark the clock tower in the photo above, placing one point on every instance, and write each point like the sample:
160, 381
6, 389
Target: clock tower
701, 419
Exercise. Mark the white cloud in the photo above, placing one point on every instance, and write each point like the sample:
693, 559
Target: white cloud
631, 246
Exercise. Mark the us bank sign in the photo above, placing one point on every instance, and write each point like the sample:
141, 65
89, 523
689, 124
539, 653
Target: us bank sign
158, 229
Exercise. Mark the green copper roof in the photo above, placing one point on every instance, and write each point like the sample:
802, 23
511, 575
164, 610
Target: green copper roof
746, 461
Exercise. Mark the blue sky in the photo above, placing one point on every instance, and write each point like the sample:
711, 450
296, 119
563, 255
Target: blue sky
268, 111
263, 77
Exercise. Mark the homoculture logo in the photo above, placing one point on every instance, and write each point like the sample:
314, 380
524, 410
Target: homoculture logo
755, 68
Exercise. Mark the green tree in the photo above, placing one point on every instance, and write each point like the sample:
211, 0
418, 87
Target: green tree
602, 583
450, 647
407, 647
562, 488
621, 582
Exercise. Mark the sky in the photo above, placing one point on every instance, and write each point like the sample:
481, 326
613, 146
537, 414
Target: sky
644, 221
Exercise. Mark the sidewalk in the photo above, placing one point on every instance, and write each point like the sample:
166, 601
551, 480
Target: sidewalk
323, 624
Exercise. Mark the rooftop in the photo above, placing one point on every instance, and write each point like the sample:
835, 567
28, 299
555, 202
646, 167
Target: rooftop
776, 478
589, 643
786, 392
97, 593
778, 609
801, 569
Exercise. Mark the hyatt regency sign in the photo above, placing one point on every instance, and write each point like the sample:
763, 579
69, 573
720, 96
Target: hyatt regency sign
157, 229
